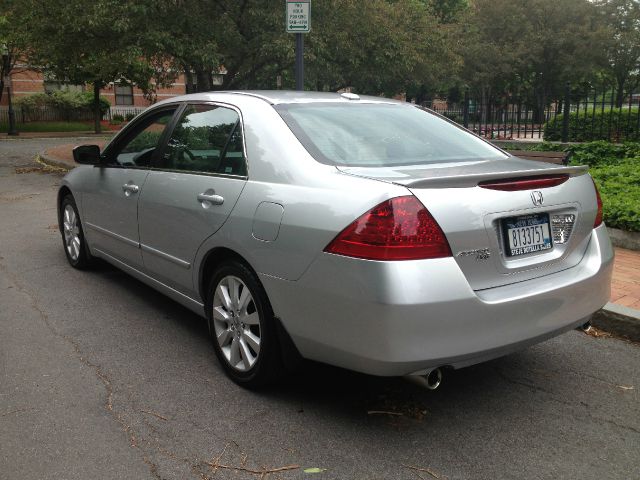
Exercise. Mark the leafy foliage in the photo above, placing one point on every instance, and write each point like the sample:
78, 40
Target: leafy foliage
595, 125
619, 186
616, 171
62, 100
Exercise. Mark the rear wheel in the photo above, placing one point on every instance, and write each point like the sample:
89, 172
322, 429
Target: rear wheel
242, 326
73, 241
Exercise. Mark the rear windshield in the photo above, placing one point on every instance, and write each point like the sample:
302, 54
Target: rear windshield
381, 135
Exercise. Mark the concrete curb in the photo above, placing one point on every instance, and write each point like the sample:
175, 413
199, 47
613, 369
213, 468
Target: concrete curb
622, 239
618, 320
50, 161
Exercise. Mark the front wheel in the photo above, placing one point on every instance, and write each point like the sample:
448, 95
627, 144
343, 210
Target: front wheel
241, 325
73, 241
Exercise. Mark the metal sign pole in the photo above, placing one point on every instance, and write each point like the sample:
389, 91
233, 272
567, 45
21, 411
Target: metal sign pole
299, 22
299, 61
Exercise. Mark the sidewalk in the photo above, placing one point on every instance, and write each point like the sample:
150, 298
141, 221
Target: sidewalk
624, 305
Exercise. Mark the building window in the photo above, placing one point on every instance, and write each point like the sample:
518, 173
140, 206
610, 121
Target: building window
53, 84
124, 94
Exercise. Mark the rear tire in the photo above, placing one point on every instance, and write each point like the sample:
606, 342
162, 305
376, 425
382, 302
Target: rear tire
242, 326
73, 241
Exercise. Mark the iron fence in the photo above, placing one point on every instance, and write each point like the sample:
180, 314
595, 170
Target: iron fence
580, 114
50, 114
571, 113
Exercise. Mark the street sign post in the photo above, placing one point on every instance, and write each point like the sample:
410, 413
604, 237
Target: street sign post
299, 22
298, 16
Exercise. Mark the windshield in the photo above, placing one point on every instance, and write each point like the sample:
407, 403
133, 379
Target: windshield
381, 135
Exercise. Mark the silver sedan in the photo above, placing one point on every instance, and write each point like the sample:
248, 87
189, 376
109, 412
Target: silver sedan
358, 231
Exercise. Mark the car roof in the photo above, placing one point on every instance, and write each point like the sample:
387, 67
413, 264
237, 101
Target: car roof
276, 97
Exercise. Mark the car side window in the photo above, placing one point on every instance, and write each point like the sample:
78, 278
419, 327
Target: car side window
139, 146
207, 138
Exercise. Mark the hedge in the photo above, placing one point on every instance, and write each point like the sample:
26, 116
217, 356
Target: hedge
611, 124
616, 171
67, 105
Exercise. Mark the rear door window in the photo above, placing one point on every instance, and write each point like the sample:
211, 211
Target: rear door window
207, 139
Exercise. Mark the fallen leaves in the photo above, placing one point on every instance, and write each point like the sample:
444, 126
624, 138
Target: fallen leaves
596, 333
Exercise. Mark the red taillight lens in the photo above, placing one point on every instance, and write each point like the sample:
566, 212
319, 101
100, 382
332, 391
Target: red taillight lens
599, 201
526, 183
398, 229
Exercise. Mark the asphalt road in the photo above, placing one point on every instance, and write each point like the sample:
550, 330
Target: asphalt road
102, 377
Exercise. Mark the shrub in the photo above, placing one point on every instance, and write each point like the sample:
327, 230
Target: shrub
130, 116
117, 117
619, 186
616, 171
610, 124
68, 105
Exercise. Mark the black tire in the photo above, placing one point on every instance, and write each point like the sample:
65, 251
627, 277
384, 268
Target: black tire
82, 259
267, 366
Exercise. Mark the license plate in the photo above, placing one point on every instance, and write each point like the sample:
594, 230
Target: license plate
526, 234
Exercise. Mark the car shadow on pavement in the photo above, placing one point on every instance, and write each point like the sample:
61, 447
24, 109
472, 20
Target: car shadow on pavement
337, 392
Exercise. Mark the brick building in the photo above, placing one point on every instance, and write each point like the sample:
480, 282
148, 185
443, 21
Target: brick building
122, 96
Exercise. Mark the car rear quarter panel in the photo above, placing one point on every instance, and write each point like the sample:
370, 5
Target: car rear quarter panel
319, 201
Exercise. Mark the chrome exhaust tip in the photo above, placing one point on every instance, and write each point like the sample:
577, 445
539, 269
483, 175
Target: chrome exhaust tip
430, 380
585, 327
433, 378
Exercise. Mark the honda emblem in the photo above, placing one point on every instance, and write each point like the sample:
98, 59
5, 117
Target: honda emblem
536, 198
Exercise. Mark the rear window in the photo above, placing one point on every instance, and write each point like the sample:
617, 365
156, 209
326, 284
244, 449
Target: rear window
381, 135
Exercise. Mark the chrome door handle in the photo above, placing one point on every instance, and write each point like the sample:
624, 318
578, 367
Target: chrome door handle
210, 198
130, 188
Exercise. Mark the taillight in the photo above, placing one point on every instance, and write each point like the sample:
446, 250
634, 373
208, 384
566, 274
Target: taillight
397, 229
525, 183
598, 220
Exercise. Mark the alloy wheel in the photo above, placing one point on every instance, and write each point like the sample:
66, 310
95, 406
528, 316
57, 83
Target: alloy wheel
236, 323
71, 232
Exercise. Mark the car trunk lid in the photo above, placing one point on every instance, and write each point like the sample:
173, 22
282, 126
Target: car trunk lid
499, 237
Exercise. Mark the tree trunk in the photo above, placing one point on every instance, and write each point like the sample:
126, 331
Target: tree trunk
203, 80
97, 116
620, 93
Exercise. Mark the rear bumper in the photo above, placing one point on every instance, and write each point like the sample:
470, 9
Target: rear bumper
400, 318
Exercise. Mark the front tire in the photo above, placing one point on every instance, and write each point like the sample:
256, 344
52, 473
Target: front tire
242, 326
73, 241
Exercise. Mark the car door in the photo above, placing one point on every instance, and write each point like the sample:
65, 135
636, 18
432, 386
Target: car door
191, 191
110, 203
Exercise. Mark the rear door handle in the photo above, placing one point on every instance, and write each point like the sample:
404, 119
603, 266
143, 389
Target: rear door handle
130, 188
209, 198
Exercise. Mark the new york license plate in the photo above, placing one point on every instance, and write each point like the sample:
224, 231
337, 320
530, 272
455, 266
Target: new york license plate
526, 234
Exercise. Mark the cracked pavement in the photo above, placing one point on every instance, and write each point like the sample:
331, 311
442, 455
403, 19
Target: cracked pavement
102, 377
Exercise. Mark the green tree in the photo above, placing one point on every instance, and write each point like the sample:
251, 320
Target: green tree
622, 20
90, 42
14, 21
535, 43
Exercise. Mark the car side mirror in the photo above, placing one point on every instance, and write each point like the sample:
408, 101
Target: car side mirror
87, 154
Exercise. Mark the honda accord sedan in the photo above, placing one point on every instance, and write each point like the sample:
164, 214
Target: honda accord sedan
362, 232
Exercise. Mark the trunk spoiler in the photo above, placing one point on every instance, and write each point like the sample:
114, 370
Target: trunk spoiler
460, 177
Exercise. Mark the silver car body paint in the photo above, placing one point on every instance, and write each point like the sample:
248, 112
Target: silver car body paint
377, 317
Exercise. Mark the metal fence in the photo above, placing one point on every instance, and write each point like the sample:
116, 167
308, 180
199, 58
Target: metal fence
593, 114
49, 114
571, 114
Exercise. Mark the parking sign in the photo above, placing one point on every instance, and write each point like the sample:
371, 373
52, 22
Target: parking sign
298, 16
